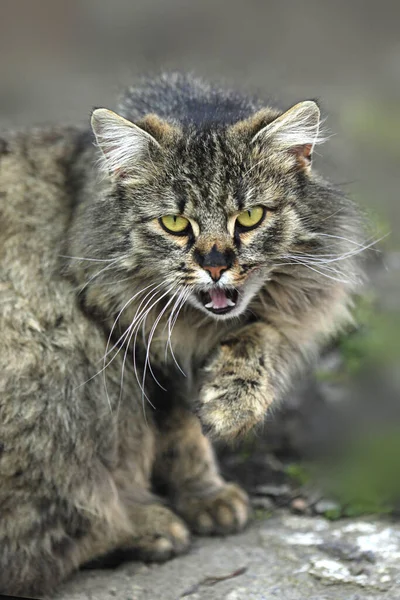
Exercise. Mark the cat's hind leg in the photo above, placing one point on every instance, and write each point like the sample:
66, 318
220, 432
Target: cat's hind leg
45, 539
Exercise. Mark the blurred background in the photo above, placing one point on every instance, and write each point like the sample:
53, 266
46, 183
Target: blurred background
58, 59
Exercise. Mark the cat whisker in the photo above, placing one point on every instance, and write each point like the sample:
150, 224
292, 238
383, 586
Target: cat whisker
141, 313
142, 319
363, 246
151, 335
171, 324
88, 259
308, 266
99, 273
351, 253
125, 334
120, 313
145, 345
115, 345
174, 308
333, 214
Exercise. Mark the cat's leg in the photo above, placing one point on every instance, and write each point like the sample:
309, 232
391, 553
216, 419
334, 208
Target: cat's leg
46, 539
186, 464
160, 532
74, 488
247, 372
50, 527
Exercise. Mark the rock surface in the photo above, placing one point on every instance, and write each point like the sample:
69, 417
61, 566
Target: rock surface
286, 557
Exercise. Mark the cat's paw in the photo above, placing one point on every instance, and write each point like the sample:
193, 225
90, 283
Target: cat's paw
161, 534
231, 405
225, 411
236, 391
224, 512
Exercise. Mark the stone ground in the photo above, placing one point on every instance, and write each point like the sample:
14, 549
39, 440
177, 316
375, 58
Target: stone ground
285, 557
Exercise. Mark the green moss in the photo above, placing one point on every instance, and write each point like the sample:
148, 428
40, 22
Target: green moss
363, 480
333, 514
367, 479
298, 473
261, 514
374, 342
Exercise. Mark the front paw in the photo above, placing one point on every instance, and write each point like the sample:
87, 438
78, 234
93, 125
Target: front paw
230, 411
234, 396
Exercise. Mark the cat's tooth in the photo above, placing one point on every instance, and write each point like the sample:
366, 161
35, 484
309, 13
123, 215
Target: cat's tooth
230, 302
209, 305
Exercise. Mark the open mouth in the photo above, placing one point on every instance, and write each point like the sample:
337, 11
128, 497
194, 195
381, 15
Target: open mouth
219, 301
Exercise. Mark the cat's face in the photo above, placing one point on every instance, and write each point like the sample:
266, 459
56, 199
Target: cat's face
212, 212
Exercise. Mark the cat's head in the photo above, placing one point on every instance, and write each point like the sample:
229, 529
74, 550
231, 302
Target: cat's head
210, 211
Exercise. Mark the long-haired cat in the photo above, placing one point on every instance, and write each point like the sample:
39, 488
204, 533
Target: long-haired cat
162, 279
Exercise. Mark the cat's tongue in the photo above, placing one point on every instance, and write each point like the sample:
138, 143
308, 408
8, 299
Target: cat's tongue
219, 299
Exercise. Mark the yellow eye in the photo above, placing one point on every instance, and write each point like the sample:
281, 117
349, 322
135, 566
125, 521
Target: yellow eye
251, 217
174, 223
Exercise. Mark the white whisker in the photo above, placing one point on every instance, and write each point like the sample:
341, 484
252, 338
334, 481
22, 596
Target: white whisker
171, 324
124, 335
99, 273
134, 328
115, 345
308, 266
88, 259
121, 311
146, 362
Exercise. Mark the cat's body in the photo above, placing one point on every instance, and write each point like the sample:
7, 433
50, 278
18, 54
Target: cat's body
87, 267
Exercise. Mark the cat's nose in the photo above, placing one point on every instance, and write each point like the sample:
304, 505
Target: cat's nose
215, 261
216, 272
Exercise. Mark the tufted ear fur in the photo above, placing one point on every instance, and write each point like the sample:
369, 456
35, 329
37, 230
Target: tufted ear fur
296, 131
124, 145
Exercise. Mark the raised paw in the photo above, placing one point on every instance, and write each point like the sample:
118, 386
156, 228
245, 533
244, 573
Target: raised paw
224, 412
224, 512
160, 534
235, 394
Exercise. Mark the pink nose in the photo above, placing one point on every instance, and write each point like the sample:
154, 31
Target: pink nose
216, 272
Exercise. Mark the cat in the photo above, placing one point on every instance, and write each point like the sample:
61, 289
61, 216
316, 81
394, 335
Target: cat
164, 276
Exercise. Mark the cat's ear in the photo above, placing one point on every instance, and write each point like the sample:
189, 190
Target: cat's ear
297, 131
124, 145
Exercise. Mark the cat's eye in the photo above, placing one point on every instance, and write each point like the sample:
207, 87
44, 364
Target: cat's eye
250, 218
175, 224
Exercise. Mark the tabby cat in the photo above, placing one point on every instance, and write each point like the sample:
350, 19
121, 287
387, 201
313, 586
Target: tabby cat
162, 279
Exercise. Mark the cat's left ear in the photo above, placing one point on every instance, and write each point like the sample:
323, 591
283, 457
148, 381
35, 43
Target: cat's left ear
297, 131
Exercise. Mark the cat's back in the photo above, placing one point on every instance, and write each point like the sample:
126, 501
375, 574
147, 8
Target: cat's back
34, 182
35, 208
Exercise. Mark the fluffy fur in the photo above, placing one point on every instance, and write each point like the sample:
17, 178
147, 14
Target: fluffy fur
112, 368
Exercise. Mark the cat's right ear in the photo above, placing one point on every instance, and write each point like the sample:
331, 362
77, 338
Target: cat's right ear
124, 146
